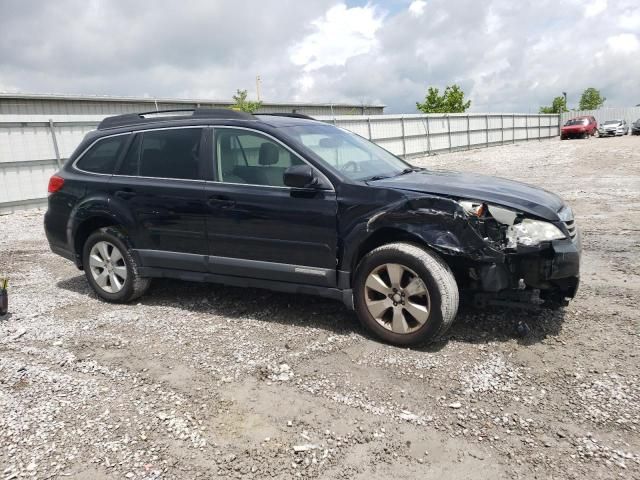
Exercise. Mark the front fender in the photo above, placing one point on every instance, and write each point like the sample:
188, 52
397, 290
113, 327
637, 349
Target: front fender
438, 222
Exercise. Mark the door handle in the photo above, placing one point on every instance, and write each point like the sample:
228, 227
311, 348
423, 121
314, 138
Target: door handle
221, 201
125, 193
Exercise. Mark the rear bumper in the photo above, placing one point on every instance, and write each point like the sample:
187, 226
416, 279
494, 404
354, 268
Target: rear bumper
63, 252
55, 231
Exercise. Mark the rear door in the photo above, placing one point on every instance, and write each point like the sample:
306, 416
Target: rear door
259, 228
160, 181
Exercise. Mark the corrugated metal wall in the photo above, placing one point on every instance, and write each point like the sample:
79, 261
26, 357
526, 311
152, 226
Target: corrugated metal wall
32, 146
70, 105
630, 114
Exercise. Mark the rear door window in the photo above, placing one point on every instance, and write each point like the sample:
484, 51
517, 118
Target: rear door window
172, 153
102, 157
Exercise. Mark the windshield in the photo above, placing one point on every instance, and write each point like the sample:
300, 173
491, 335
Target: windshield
354, 156
577, 121
612, 122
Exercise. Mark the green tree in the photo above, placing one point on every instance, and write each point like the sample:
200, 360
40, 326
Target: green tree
591, 99
558, 105
451, 101
243, 104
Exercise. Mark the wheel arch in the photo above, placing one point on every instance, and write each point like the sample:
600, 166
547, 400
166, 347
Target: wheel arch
384, 236
93, 213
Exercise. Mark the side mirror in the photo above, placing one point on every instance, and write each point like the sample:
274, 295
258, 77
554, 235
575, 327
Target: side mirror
300, 176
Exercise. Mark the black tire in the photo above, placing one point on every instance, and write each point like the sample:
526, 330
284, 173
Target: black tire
436, 277
133, 286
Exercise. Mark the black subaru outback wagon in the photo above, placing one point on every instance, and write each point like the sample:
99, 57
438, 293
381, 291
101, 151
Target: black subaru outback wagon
287, 203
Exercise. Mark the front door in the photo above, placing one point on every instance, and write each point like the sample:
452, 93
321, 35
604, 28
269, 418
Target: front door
161, 182
259, 228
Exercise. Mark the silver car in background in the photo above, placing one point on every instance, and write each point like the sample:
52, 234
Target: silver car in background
612, 128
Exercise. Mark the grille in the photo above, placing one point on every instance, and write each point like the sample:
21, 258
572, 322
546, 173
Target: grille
566, 215
571, 226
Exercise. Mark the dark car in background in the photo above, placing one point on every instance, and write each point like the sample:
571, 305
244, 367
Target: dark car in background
613, 128
287, 203
579, 127
635, 127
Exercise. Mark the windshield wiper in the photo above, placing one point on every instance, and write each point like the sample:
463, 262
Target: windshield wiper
409, 170
377, 177
403, 172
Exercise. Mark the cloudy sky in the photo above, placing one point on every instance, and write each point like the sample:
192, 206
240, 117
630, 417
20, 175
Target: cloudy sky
507, 55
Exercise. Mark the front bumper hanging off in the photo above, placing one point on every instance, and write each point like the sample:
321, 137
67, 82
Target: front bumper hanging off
553, 269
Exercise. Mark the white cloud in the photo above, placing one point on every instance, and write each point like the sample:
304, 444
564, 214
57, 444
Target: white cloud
596, 7
494, 22
304, 86
340, 34
630, 20
505, 55
624, 43
4, 88
417, 7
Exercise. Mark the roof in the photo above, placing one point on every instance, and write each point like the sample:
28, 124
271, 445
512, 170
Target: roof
153, 100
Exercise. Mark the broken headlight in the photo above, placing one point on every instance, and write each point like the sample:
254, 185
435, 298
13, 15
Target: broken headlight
532, 232
510, 227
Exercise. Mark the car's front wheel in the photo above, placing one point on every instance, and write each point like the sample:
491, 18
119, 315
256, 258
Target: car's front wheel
405, 294
111, 269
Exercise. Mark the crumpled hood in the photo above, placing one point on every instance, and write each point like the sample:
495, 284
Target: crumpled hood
500, 191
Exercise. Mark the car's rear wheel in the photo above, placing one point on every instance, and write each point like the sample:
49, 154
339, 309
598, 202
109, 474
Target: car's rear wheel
111, 269
404, 294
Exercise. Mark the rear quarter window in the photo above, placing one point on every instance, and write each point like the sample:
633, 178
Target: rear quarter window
102, 157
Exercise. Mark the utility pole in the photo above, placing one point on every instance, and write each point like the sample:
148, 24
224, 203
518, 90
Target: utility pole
258, 86
565, 100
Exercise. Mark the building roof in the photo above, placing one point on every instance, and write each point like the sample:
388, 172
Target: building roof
108, 98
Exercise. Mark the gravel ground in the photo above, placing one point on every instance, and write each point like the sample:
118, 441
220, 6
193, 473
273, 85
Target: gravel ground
206, 381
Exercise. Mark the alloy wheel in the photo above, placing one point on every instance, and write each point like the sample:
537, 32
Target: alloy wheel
397, 298
107, 266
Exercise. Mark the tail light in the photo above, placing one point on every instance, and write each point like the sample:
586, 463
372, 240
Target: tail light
55, 184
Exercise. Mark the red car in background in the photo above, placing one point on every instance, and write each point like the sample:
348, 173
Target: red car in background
579, 127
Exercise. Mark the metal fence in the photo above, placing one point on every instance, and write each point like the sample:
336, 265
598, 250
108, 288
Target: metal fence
32, 147
630, 114
419, 135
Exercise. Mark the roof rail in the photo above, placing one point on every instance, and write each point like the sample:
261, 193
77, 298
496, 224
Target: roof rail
292, 115
158, 116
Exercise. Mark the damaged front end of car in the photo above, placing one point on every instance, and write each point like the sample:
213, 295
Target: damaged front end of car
538, 255
499, 255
